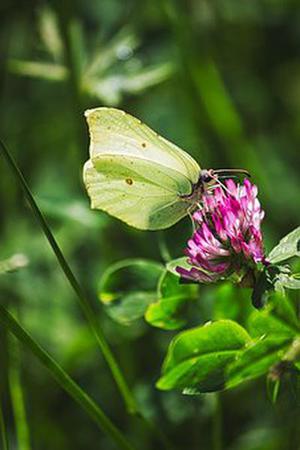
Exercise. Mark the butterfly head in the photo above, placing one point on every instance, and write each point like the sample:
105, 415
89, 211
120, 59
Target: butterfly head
209, 178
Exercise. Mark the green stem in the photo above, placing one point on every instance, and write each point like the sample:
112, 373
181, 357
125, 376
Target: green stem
88, 312
4, 438
217, 423
64, 380
17, 397
69, 31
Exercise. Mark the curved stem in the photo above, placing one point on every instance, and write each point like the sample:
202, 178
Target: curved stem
17, 396
87, 310
83, 302
217, 423
4, 439
65, 381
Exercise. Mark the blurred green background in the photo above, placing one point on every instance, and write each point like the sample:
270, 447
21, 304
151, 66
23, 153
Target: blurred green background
220, 79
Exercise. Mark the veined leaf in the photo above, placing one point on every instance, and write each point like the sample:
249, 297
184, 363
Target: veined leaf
278, 318
197, 358
257, 359
172, 296
284, 311
288, 247
128, 287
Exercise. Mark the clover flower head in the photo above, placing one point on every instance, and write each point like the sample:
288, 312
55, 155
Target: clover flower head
228, 236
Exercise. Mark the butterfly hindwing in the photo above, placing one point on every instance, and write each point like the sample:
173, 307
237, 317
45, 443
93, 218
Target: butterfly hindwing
132, 198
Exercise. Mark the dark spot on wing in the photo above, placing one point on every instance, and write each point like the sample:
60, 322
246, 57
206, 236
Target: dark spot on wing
144, 145
129, 181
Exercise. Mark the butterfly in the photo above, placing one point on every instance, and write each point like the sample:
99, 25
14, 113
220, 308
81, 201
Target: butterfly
138, 176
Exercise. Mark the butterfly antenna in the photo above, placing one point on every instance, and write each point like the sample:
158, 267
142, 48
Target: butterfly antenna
226, 177
218, 182
229, 171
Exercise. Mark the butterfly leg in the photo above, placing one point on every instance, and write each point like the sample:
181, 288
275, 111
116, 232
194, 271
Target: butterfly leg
190, 212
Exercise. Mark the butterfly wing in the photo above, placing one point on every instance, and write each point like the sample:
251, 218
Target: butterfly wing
134, 174
127, 189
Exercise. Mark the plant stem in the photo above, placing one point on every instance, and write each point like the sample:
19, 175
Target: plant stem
71, 40
4, 438
217, 423
88, 312
65, 381
17, 397
90, 315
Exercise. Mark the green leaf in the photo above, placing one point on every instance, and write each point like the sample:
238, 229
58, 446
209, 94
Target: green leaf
82, 300
50, 35
34, 69
182, 262
257, 359
283, 310
172, 297
197, 358
112, 87
288, 247
63, 379
135, 83
277, 318
128, 287
263, 323
289, 281
226, 305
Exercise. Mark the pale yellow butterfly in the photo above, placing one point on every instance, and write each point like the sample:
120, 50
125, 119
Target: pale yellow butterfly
138, 176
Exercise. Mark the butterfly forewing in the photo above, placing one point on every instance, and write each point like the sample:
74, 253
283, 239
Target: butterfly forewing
115, 132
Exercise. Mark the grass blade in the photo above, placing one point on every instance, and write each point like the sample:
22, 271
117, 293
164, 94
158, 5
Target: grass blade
64, 380
17, 396
88, 312
4, 439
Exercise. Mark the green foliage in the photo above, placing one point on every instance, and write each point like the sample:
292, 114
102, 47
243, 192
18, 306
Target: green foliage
214, 356
227, 304
229, 102
257, 359
128, 287
288, 247
172, 297
197, 359
278, 317
108, 74
276, 328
